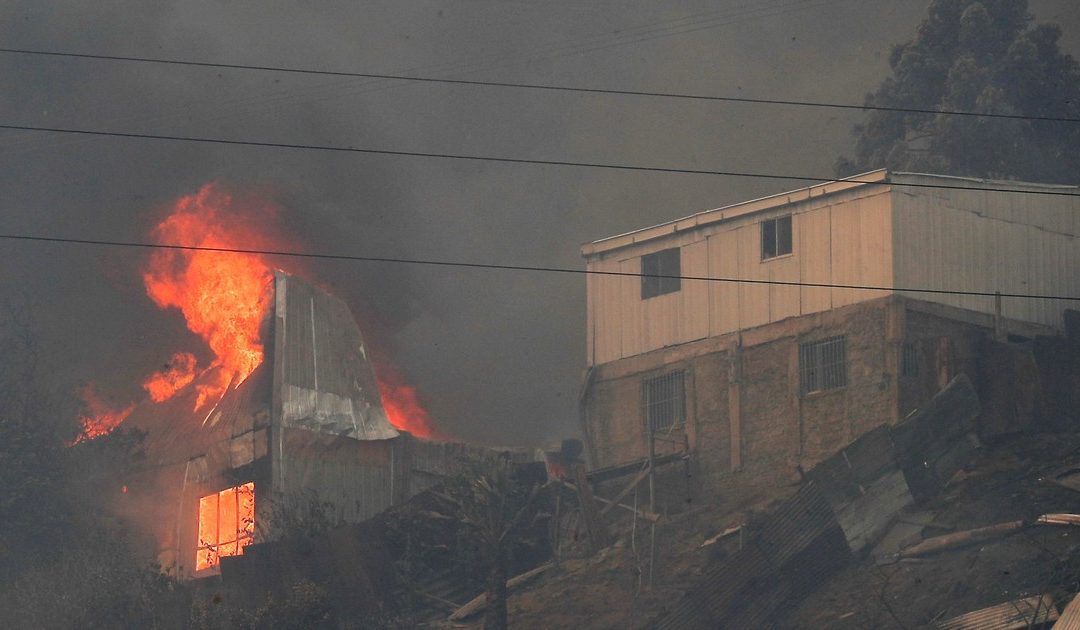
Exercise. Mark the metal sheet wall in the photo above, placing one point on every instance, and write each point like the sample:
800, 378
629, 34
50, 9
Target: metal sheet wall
988, 241
835, 240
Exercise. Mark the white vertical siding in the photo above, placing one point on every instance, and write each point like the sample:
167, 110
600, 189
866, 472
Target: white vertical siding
988, 241
844, 242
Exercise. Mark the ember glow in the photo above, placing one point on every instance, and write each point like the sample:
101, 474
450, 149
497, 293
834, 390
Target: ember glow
100, 417
226, 524
402, 405
176, 375
223, 296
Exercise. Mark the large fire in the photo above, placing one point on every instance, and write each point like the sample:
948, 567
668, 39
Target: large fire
224, 297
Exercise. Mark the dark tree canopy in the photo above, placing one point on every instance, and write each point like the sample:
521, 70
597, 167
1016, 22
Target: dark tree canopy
976, 56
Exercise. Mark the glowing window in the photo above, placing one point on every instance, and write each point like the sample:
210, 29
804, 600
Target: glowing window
226, 524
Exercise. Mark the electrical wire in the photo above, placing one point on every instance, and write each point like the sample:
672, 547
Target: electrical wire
535, 86
508, 160
527, 268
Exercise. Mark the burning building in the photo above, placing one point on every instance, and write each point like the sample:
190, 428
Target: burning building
287, 414
307, 424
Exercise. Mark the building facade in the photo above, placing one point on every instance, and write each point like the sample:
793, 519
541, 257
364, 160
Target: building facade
737, 332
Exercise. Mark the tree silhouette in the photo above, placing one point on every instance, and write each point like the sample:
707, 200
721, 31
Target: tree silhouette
976, 56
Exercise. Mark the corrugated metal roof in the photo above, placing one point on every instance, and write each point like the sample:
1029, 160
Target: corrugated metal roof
1014, 615
795, 523
876, 177
177, 432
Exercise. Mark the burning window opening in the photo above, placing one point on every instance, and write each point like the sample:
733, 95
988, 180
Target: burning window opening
226, 524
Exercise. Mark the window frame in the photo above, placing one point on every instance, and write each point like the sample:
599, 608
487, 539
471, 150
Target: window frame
653, 397
910, 359
242, 535
659, 263
773, 250
823, 365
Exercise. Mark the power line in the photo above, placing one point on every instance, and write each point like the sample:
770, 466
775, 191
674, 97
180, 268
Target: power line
535, 86
509, 160
503, 267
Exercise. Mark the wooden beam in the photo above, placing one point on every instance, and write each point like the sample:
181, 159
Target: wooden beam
479, 602
652, 517
594, 525
626, 490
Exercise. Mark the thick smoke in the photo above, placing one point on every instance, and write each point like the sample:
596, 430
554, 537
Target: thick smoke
497, 355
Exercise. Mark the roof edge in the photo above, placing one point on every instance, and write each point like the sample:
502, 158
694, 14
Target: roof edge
716, 215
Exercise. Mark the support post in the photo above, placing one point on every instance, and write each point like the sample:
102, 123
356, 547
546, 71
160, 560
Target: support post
999, 322
598, 536
652, 503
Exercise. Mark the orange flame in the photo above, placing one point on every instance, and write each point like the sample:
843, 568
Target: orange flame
223, 296
177, 374
402, 405
100, 418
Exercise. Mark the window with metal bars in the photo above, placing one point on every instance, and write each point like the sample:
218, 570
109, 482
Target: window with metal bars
823, 365
776, 237
909, 359
663, 401
660, 273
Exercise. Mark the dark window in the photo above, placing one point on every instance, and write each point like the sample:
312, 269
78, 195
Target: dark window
775, 237
660, 273
663, 400
909, 360
823, 365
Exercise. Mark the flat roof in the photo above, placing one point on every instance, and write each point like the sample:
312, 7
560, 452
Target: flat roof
743, 208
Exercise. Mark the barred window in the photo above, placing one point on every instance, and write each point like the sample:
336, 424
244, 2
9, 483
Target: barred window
665, 263
909, 360
663, 401
823, 365
775, 237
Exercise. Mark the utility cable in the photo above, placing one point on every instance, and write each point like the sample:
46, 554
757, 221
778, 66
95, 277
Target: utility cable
508, 160
535, 86
529, 268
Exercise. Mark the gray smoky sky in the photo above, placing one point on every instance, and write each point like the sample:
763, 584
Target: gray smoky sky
497, 355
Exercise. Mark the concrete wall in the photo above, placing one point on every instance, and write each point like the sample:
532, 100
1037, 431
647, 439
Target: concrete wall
748, 425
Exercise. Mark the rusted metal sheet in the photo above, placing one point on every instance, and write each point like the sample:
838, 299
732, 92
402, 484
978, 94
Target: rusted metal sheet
1013, 615
937, 440
865, 519
1070, 617
845, 476
795, 523
326, 382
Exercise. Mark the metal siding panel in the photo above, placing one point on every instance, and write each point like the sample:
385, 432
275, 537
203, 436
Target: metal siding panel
723, 296
695, 293
630, 310
607, 313
784, 300
815, 264
753, 298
